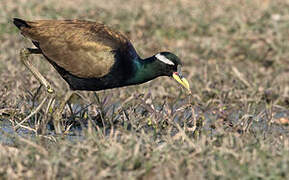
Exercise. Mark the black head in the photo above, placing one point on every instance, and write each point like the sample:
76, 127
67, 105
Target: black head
172, 68
161, 64
170, 61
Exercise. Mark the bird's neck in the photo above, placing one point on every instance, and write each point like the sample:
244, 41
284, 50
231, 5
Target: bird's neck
144, 70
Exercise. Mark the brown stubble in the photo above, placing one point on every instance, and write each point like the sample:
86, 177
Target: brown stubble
211, 37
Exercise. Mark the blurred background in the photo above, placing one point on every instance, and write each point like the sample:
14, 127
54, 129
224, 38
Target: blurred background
235, 56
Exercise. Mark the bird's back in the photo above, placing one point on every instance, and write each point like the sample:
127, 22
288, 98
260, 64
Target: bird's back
85, 49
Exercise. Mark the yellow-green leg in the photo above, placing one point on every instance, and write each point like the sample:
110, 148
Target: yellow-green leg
57, 116
24, 56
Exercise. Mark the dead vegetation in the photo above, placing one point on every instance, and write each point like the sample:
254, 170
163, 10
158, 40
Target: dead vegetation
235, 55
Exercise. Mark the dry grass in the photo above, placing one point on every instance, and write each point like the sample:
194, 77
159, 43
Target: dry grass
236, 58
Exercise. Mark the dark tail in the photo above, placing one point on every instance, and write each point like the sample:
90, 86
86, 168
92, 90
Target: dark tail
20, 23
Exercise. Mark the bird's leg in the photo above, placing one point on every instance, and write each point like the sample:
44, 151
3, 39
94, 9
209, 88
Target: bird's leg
57, 116
24, 55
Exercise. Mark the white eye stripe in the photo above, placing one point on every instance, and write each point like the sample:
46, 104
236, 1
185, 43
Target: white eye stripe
164, 59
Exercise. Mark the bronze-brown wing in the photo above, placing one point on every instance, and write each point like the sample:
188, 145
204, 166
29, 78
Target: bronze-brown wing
82, 48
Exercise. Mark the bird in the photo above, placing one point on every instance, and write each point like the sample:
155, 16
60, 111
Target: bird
92, 56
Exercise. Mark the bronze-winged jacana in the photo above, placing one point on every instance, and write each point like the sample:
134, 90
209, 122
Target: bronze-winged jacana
91, 56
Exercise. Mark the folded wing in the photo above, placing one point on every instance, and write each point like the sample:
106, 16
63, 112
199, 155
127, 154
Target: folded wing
85, 49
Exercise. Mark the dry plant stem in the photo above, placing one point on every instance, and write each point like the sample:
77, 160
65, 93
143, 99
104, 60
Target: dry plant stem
241, 77
31, 114
24, 56
58, 112
42, 124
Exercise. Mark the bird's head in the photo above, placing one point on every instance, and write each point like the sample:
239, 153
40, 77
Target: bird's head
173, 67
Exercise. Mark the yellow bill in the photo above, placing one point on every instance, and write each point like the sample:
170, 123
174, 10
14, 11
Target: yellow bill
182, 81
